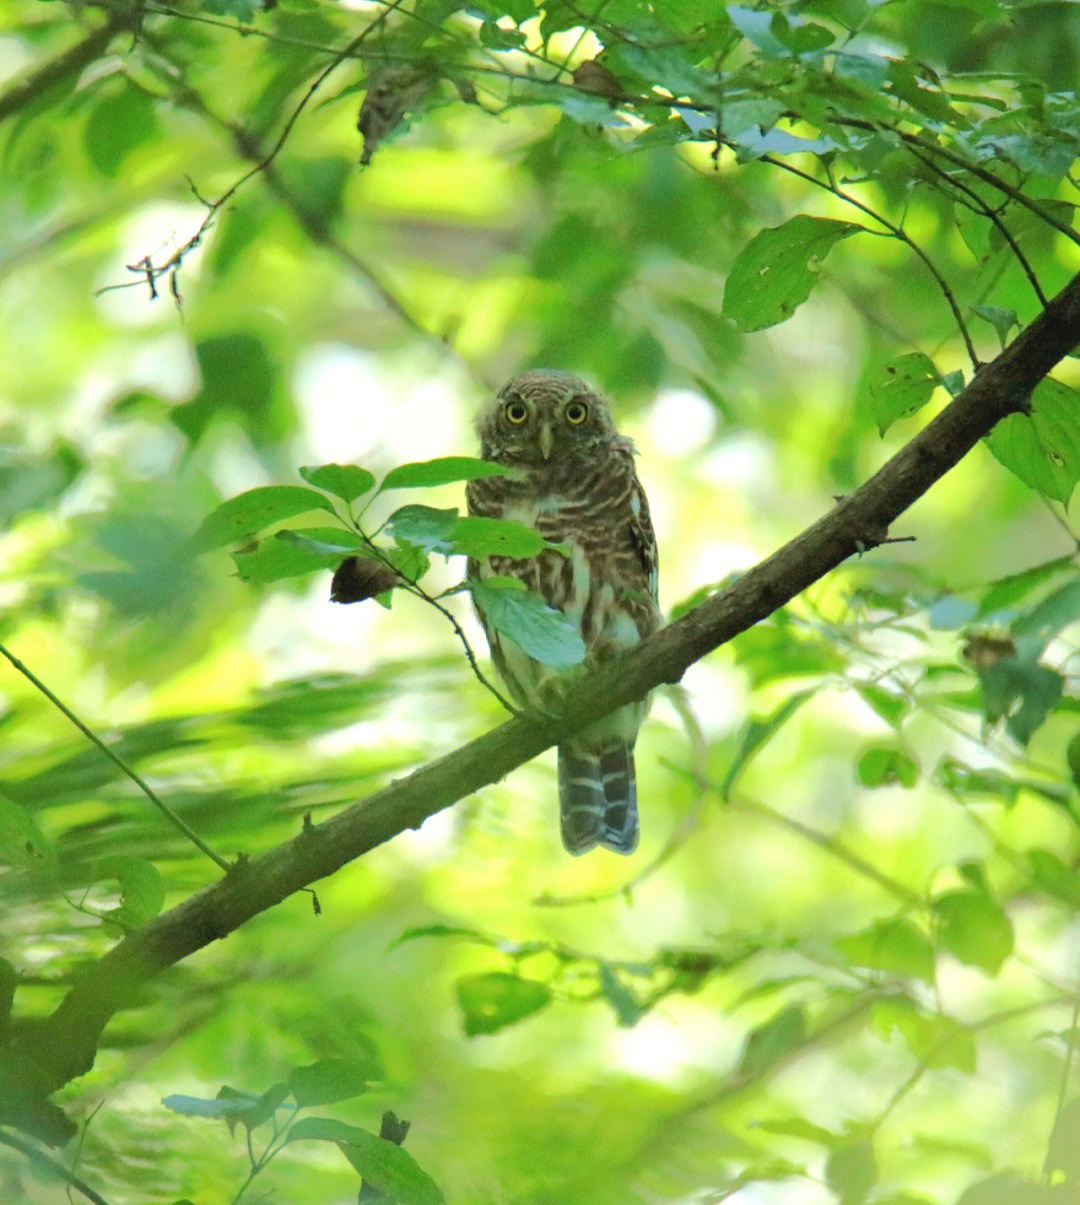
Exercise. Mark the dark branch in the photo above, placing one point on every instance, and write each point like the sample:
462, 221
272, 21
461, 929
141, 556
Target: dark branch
48, 1054
26, 90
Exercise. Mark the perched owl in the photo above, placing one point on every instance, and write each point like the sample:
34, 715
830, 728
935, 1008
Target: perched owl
577, 487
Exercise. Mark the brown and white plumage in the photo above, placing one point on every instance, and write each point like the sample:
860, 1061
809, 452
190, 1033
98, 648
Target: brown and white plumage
577, 486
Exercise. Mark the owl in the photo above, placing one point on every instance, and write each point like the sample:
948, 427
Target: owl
575, 485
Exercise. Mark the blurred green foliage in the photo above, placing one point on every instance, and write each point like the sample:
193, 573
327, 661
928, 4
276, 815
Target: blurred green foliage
842, 966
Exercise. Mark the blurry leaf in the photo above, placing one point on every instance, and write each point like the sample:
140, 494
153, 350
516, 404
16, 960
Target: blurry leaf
241, 383
392, 93
773, 275
255, 510
442, 471
142, 890
1035, 629
798, 1127
896, 946
1063, 1153
1010, 1189
756, 26
222, 1107
756, 733
495, 999
937, 1041
294, 552
22, 844
771, 1041
906, 385
330, 1080
774, 649
1051, 875
524, 617
117, 124
437, 931
627, 1010
1008, 591
479, 537
1043, 448
1022, 693
851, 1171
383, 1164
889, 706
319, 183
345, 481
30, 481
974, 929
881, 766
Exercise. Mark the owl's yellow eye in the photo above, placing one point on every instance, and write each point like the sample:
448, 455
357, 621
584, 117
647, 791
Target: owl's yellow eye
576, 413
516, 412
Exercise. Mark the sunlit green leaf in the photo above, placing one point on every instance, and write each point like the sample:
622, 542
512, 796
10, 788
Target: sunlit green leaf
851, 1171
896, 946
479, 537
771, 1041
882, 766
254, 511
778, 268
291, 553
974, 928
1043, 448
442, 471
345, 481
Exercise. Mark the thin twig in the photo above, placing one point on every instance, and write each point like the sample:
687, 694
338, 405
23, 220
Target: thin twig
140, 782
978, 205
146, 270
897, 232
54, 1166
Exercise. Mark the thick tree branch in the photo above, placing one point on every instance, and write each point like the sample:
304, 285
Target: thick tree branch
48, 1054
26, 90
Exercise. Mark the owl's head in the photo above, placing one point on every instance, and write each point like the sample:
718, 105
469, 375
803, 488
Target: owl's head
543, 416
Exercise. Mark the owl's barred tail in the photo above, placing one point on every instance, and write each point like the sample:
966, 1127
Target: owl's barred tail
598, 796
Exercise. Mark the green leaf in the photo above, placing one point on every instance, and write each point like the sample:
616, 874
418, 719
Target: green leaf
344, 481
882, 766
423, 526
117, 124
756, 733
255, 510
895, 946
384, 1165
1052, 876
142, 890
774, 274
1001, 320
22, 843
937, 1041
974, 929
1034, 630
851, 1171
330, 1080
1021, 692
906, 385
1043, 448
1006, 592
798, 1127
292, 553
442, 471
771, 1041
524, 617
479, 537
495, 999
891, 707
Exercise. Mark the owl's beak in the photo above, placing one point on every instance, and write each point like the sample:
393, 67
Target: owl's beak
547, 440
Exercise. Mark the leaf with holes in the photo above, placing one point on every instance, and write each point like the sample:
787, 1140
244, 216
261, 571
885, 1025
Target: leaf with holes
906, 385
344, 481
774, 274
254, 511
1043, 448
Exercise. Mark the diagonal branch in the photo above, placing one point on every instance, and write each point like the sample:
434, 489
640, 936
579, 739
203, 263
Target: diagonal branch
47, 1054
26, 90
